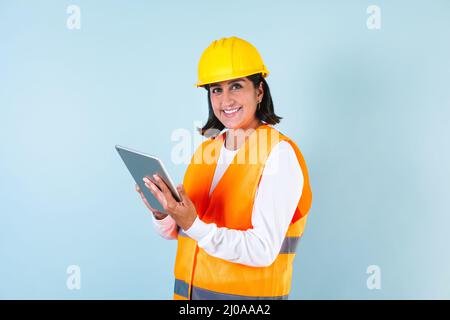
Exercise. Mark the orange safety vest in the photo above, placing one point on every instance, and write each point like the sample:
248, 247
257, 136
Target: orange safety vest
199, 275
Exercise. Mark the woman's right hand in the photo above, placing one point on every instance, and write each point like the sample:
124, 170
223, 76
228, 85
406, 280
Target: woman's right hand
158, 214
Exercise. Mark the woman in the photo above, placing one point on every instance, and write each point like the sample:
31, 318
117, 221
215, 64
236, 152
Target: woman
245, 195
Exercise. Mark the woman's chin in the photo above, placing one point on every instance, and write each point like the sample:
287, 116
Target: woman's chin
227, 121
232, 124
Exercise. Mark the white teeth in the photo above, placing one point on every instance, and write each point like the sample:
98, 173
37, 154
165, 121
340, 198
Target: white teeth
231, 111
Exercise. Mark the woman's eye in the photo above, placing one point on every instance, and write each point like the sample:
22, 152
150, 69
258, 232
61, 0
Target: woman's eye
233, 87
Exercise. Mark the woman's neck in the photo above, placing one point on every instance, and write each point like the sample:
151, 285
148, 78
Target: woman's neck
236, 137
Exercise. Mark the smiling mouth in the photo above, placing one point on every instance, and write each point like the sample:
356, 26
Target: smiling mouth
231, 111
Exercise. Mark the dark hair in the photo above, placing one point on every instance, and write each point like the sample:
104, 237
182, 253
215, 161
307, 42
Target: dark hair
264, 113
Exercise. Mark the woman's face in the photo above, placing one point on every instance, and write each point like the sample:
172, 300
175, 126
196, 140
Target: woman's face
234, 102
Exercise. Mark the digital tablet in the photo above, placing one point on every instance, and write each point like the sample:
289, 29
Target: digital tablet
140, 165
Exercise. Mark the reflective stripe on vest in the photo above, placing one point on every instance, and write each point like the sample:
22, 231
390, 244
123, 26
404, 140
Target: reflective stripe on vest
182, 289
290, 244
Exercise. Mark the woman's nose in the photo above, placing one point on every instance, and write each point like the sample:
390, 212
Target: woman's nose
227, 100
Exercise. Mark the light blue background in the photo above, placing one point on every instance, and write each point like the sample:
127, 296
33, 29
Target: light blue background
368, 108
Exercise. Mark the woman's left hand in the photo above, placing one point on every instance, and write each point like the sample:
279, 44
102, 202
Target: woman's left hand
184, 212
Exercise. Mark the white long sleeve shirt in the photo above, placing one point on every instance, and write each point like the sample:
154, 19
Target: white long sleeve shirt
274, 206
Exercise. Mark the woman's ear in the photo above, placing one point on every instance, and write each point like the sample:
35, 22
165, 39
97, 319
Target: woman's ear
260, 91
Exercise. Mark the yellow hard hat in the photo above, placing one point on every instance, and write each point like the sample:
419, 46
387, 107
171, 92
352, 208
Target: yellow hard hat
229, 58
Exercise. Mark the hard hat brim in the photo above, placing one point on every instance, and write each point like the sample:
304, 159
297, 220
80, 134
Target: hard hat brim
264, 73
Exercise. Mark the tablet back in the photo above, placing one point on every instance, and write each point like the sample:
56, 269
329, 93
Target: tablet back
140, 165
